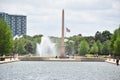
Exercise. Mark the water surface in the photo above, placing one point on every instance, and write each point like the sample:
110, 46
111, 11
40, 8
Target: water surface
41, 70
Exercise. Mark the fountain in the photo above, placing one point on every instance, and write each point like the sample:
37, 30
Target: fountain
46, 48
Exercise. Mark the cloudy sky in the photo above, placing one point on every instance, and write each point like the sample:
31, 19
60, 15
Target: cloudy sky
81, 16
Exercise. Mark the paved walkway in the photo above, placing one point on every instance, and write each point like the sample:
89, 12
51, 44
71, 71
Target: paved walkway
112, 61
9, 61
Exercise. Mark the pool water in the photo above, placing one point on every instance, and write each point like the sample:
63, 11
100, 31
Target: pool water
43, 70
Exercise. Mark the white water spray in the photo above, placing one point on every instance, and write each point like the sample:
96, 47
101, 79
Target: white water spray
46, 48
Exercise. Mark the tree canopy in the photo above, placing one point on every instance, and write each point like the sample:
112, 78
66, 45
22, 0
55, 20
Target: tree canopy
102, 43
69, 47
100, 47
83, 47
106, 47
117, 46
116, 42
26, 44
94, 49
6, 38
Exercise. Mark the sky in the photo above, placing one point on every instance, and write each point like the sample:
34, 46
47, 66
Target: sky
84, 17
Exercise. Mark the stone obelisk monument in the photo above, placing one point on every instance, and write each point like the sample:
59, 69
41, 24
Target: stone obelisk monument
62, 54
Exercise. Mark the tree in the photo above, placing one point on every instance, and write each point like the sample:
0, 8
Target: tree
90, 40
100, 46
15, 45
83, 47
106, 47
21, 49
37, 38
94, 49
6, 38
114, 40
29, 47
98, 36
106, 35
117, 47
69, 47
77, 39
26, 44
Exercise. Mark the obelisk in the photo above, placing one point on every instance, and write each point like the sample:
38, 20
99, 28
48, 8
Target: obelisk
62, 54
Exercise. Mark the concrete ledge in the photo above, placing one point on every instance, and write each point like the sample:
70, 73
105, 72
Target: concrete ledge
82, 59
33, 58
8, 61
85, 59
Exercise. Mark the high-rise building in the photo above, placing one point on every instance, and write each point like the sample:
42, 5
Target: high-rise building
17, 23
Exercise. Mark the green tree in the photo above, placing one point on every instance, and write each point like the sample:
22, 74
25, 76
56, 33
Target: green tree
26, 44
115, 36
29, 47
77, 39
15, 45
69, 47
6, 38
37, 38
94, 48
117, 47
83, 47
90, 40
100, 46
106, 47
98, 36
20, 46
106, 35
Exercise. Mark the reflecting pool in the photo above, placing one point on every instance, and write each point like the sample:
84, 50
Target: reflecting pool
43, 70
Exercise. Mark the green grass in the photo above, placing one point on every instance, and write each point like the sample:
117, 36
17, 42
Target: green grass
100, 56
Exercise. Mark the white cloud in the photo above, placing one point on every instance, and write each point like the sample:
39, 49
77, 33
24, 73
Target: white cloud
81, 16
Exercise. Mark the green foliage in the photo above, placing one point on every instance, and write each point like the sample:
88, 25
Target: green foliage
102, 37
6, 38
100, 47
29, 47
69, 47
77, 39
37, 38
83, 47
98, 36
114, 39
106, 35
100, 43
106, 47
26, 44
20, 46
117, 46
90, 40
94, 49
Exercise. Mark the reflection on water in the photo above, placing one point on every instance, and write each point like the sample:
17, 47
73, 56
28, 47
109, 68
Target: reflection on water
40, 70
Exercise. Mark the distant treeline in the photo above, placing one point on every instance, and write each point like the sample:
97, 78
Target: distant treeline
103, 43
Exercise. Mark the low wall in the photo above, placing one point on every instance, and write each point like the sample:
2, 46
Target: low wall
92, 59
34, 58
81, 59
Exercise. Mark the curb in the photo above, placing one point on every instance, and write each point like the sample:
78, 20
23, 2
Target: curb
3, 62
